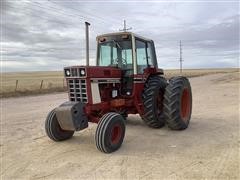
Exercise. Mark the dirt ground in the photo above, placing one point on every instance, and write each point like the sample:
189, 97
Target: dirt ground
208, 149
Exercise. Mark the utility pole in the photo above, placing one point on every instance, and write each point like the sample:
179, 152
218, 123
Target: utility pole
180, 58
125, 27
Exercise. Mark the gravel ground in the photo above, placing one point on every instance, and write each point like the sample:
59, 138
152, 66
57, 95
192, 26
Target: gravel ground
208, 149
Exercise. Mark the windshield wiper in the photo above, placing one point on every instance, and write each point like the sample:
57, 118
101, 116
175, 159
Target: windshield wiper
118, 45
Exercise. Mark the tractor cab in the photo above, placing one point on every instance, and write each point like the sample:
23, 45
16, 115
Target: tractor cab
128, 52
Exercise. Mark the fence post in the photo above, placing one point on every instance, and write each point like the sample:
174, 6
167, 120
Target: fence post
16, 85
41, 84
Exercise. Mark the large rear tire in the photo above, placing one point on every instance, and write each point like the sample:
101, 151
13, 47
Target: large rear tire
53, 129
152, 98
110, 132
178, 103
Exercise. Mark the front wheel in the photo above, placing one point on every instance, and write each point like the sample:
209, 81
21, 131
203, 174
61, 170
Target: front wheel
110, 132
178, 103
53, 129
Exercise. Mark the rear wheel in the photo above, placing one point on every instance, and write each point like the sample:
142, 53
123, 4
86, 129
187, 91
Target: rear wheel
53, 129
110, 132
152, 97
178, 103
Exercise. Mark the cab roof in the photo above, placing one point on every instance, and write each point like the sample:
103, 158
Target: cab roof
123, 33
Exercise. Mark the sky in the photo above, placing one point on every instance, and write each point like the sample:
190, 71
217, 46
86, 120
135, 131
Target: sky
43, 35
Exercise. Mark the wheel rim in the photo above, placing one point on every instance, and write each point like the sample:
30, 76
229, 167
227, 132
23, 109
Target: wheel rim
116, 133
185, 104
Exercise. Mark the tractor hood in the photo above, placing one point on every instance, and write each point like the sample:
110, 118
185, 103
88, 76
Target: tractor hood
86, 83
92, 72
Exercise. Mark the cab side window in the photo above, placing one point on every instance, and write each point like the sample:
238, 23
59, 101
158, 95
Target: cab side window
149, 54
141, 55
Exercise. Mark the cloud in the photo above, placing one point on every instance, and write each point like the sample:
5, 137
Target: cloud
48, 35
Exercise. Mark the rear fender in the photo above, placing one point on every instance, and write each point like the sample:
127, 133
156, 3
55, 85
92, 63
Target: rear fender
152, 71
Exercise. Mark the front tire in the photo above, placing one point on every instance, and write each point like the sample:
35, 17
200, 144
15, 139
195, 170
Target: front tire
178, 103
110, 132
53, 129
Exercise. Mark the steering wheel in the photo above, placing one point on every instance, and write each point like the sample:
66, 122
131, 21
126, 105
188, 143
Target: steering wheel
124, 61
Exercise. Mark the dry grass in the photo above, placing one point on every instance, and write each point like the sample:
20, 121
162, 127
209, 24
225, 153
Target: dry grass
197, 72
29, 82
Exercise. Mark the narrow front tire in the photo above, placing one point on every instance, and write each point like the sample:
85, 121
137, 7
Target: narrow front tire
53, 129
110, 132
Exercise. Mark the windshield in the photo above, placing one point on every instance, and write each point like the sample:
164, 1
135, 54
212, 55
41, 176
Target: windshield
115, 53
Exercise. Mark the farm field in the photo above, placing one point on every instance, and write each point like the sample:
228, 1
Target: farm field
53, 81
30, 83
208, 149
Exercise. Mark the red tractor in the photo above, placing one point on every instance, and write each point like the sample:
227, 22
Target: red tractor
126, 80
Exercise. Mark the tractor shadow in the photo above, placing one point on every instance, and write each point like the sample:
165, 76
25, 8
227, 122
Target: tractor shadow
141, 139
135, 120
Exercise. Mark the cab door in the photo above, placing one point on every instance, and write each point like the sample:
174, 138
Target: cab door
125, 56
144, 55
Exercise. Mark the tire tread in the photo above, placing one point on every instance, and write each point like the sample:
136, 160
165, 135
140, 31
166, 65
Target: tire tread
171, 103
149, 117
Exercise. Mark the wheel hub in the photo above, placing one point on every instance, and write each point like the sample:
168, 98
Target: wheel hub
116, 133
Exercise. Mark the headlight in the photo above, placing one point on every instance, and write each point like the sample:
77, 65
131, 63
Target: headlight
67, 72
82, 72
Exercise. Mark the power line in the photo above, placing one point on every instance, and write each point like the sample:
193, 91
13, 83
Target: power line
93, 16
64, 12
59, 11
30, 13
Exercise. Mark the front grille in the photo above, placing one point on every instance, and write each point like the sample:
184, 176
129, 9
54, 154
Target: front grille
78, 90
75, 72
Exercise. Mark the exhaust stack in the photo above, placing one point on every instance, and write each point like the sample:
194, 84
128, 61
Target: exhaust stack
87, 24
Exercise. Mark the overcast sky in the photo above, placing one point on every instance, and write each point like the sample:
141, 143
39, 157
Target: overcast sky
45, 35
